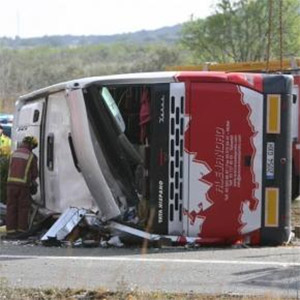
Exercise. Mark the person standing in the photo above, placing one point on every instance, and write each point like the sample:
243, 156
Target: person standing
22, 173
5, 149
5, 143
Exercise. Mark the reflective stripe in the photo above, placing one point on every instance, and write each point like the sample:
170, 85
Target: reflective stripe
21, 155
273, 114
24, 179
28, 166
272, 207
15, 179
8, 175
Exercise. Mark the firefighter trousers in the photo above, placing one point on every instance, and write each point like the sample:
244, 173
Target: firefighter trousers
18, 206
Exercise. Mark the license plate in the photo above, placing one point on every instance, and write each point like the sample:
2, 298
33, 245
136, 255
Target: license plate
270, 160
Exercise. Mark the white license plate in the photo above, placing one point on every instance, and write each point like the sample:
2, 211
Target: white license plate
270, 172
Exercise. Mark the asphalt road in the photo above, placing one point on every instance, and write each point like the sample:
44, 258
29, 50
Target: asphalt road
265, 271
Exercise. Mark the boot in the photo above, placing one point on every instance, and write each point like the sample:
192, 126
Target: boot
10, 235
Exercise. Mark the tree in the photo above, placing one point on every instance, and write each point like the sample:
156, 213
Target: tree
238, 31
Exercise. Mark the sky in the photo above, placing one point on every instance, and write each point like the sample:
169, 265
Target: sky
35, 18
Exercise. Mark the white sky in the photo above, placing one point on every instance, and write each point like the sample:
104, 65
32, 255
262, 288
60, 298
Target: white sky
33, 18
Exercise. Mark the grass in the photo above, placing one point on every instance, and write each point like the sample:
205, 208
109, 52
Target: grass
11, 293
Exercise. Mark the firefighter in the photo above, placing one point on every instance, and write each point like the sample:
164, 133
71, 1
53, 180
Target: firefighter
5, 143
22, 173
5, 148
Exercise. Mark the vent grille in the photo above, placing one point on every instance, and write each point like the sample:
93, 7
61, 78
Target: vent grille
176, 174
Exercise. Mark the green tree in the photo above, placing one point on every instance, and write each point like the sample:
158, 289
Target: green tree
238, 31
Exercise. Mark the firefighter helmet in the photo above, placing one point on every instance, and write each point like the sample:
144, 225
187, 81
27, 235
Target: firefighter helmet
31, 141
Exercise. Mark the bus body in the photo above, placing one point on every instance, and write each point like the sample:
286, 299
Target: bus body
286, 66
201, 155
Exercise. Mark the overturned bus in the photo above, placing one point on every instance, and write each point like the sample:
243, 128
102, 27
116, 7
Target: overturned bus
200, 157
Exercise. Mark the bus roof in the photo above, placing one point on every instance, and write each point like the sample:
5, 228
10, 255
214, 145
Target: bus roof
138, 78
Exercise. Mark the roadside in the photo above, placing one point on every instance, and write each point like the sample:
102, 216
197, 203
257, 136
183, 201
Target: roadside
20, 289
207, 271
47, 294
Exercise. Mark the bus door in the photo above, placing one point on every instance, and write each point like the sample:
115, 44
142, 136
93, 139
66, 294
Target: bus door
29, 121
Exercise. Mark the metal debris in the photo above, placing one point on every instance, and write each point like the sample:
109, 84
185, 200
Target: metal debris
64, 225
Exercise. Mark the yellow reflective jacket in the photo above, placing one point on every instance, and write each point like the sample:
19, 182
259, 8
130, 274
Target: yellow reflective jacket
5, 145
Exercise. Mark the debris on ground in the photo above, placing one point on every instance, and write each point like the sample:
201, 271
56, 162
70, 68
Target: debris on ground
78, 227
64, 226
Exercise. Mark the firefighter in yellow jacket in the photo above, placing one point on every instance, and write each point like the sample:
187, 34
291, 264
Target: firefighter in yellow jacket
22, 173
5, 143
5, 149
